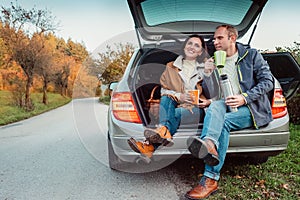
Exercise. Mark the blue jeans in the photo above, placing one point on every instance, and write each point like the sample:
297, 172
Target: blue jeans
172, 116
217, 126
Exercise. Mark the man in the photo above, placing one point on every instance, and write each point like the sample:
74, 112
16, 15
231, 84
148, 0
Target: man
251, 80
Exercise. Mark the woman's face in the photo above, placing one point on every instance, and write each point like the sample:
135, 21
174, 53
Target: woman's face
193, 48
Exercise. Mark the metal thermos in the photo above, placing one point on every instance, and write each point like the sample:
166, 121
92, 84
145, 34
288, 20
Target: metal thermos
226, 89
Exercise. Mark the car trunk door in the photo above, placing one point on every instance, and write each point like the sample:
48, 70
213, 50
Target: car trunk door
286, 70
157, 20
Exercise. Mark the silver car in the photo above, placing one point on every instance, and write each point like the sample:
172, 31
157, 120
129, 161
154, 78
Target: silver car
161, 28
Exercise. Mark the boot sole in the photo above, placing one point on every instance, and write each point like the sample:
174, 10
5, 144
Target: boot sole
154, 137
198, 149
211, 160
131, 143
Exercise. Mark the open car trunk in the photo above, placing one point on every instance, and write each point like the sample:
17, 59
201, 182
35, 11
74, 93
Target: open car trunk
152, 64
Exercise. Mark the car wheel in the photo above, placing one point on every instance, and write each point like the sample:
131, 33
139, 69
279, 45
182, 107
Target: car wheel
258, 159
252, 159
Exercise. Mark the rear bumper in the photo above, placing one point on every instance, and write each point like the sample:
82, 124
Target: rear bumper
273, 143
270, 140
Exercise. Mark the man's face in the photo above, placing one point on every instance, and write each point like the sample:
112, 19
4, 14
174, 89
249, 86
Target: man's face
221, 39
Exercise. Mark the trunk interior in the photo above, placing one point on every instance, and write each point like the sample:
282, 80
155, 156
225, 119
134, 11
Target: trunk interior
147, 76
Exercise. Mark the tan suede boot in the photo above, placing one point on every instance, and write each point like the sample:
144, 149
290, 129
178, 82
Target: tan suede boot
160, 135
143, 148
206, 187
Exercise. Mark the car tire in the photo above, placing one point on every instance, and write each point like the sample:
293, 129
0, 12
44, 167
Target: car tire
252, 159
258, 160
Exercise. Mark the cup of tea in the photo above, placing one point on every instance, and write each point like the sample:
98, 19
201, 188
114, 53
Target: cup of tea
194, 96
220, 58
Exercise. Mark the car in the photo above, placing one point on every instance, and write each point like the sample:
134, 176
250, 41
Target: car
161, 29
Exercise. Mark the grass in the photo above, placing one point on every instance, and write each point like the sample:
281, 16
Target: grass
105, 100
278, 178
10, 113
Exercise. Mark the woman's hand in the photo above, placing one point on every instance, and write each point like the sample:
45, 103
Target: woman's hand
204, 103
186, 98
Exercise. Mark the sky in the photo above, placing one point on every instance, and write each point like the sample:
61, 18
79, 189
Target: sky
96, 23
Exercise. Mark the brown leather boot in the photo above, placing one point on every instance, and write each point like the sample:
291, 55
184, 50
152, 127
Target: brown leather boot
203, 149
143, 148
206, 187
160, 135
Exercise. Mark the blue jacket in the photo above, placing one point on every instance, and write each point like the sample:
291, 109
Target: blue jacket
256, 80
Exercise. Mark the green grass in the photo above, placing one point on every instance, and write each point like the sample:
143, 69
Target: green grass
105, 100
10, 113
278, 178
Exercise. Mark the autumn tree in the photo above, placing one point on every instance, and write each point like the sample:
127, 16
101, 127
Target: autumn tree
22, 28
77, 51
46, 67
113, 62
63, 75
3, 49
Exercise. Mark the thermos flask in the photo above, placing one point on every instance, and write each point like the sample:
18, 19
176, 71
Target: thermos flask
226, 89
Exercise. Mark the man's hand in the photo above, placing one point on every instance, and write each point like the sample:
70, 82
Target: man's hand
209, 66
235, 101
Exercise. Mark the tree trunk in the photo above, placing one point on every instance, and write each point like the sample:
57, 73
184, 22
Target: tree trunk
28, 102
45, 97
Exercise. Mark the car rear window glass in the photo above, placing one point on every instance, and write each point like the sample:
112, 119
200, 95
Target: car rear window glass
223, 11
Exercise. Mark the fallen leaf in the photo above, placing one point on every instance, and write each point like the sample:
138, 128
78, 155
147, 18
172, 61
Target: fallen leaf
238, 177
260, 183
285, 186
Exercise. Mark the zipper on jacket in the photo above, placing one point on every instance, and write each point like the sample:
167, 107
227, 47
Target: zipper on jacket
241, 78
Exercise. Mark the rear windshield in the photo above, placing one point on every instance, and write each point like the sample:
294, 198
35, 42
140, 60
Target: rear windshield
223, 11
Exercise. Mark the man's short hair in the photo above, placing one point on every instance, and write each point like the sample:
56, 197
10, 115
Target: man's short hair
231, 30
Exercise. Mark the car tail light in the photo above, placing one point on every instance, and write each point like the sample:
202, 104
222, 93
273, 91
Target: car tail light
279, 108
123, 107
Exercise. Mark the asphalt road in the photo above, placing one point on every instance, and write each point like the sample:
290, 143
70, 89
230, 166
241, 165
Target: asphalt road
62, 154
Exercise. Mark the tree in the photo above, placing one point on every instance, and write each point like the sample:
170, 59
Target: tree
46, 66
62, 76
113, 62
22, 28
3, 50
76, 50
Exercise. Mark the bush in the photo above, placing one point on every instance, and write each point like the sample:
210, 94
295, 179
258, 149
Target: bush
105, 100
294, 108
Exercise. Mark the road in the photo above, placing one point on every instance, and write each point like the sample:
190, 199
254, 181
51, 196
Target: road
62, 154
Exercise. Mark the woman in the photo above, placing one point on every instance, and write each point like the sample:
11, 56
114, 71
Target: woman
176, 104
